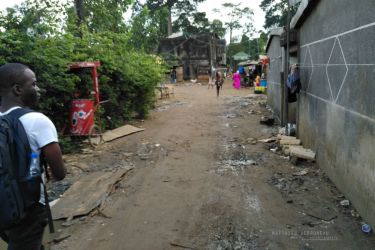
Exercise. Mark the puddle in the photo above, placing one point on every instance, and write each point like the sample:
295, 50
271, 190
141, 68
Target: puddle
234, 166
168, 105
253, 202
231, 116
179, 103
163, 108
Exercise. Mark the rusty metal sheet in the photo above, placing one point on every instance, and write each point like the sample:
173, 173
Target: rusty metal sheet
86, 194
120, 132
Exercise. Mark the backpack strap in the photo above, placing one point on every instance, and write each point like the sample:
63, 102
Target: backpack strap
18, 112
12, 116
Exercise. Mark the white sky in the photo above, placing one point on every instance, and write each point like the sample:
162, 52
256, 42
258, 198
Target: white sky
259, 16
9, 3
207, 6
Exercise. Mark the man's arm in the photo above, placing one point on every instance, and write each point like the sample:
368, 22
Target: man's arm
53, 156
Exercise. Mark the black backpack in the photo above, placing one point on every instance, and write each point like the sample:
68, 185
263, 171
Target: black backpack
18, 191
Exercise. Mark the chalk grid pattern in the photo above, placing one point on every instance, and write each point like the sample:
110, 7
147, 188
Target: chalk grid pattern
308, 63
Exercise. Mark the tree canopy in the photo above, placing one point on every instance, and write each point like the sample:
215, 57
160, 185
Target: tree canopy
33, 34
238, 18
148, 27
276, 13
252, 46
179, 7
198, 23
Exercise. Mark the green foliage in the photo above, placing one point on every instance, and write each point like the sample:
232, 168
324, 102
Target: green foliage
238, 18
148, 28
192, 23
181, 8
276, 13
34, 17
127, 77
197, 22
218, 28
253, 46
105, 15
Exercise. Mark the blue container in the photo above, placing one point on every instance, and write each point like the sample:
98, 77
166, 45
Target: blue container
366, 228
263, 83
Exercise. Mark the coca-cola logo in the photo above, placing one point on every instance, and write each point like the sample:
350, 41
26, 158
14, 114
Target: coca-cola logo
80, 105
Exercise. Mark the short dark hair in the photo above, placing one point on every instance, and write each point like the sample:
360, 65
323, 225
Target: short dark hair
10, 74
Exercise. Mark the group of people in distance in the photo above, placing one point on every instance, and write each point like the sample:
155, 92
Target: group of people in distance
217, 77
218, 81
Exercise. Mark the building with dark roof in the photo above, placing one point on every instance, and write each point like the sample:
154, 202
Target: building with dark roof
198, 54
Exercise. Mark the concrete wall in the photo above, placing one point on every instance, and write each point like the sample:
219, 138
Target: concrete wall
337, 102
274, 81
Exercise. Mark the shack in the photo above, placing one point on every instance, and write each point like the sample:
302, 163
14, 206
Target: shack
198, 54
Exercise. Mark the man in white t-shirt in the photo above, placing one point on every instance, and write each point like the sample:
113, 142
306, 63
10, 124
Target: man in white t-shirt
18, 90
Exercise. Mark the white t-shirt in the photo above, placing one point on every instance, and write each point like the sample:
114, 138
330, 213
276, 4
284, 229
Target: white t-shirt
40, 131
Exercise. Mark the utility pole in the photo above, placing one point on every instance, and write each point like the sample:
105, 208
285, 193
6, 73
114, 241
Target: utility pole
249, 47
211, 54
284, 119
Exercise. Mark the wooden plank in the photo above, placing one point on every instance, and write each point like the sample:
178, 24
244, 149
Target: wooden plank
285, 137
272, 139
290, 142
120, 132
302, 153
286, 148
86, 194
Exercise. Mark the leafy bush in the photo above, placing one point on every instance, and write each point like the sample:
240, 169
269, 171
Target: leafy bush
127, 78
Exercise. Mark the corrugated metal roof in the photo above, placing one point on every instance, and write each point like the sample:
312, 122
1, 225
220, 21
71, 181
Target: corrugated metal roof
241, 56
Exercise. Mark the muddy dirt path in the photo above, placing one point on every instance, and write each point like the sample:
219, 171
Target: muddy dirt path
200, 181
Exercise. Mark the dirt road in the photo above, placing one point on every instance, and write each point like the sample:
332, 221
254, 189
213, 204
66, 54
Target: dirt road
200, 181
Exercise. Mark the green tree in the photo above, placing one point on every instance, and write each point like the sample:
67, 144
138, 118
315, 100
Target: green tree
192, 24
252, 46
148, 28
218, 28
276, 12
101, 15
127, 76
198, 23
34, 17
182, 8
238, 18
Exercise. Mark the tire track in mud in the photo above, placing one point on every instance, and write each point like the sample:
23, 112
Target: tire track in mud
235, 161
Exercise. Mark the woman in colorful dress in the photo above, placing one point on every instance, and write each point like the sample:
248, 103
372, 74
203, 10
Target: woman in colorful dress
237, 80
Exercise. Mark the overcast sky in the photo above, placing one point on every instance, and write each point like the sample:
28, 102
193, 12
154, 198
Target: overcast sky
206, 6
259, 16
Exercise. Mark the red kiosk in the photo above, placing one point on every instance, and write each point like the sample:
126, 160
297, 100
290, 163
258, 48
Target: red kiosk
83, 111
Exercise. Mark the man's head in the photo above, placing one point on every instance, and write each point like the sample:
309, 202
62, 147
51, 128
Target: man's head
18, 84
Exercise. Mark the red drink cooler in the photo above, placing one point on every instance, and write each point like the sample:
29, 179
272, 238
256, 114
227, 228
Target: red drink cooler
81, 117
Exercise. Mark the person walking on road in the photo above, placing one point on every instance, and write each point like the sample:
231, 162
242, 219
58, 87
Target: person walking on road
19, 92
218, 82
173, 75
237, 80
